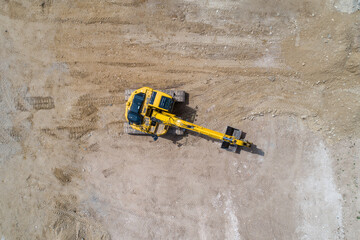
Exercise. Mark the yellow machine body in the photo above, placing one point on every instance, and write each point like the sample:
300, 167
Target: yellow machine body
150, 111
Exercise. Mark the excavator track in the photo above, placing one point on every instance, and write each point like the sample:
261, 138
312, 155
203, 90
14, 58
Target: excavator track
178, 95
172, 130
129, 130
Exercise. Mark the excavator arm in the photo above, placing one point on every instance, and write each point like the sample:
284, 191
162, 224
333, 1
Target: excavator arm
171, 120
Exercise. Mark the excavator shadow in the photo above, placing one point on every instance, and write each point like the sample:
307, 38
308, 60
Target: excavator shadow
253, 149
184, 112
174, 138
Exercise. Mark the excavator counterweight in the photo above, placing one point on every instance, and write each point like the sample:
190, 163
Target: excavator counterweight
149, 111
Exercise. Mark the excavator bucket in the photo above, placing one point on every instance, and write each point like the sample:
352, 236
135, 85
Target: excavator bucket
232, 132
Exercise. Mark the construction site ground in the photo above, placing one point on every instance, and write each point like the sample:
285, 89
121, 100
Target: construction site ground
285, 72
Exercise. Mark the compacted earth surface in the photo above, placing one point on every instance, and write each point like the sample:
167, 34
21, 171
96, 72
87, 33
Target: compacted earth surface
285, 72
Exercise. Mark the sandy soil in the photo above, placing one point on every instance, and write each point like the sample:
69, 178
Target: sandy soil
285, 72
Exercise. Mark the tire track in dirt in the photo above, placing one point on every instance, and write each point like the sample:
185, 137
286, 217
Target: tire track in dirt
83, 118
77, 131
89, 99
67, 221
39, 103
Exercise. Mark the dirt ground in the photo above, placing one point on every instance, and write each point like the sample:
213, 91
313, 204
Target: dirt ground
285, 72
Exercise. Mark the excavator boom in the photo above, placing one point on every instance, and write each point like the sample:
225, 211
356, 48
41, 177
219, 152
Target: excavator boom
173, 121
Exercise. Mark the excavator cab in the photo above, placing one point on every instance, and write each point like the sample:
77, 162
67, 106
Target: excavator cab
140, 106
133, 115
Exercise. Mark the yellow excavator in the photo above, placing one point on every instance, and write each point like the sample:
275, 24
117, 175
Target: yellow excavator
149, 111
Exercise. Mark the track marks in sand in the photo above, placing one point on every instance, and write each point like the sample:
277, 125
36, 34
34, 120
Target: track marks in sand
68, 221
98, 101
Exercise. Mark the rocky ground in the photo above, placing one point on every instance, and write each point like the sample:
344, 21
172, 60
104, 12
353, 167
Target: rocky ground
285, 72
